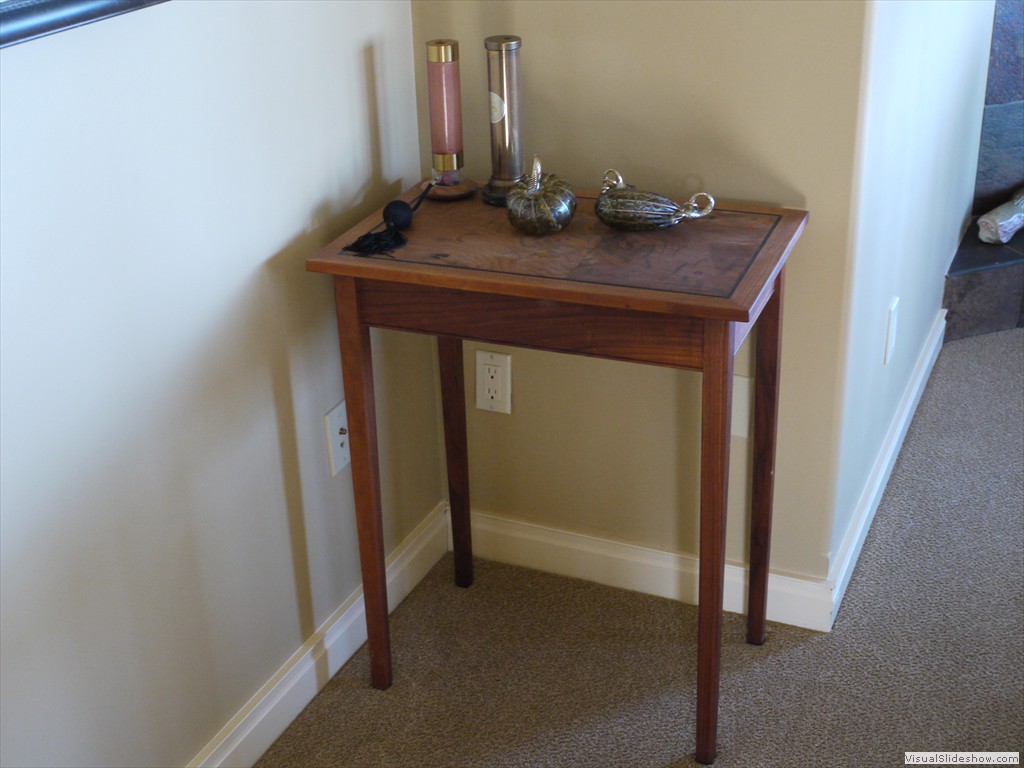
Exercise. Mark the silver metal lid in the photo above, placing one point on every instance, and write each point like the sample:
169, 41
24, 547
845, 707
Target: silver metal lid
503, 43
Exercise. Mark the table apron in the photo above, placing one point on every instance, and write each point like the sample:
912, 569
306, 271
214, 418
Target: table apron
641, 337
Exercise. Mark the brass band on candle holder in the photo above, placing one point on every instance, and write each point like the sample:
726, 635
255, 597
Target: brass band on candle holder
442, 51
446, 162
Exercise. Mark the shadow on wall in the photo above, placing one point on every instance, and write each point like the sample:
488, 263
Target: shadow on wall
298, 326
713, 141
196, 524
299, 333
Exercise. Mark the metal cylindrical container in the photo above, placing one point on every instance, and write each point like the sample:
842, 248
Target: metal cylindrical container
444, 96
507, 163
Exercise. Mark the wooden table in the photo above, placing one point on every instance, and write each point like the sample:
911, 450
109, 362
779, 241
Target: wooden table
684, 297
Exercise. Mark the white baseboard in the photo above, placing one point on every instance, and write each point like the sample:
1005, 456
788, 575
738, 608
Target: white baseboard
264, 717
845, 558
805, 603
799, 602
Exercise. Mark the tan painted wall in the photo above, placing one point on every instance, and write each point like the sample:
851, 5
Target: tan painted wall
745, 100
170, 533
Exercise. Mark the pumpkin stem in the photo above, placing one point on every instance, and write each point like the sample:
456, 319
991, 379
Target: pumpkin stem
535, 175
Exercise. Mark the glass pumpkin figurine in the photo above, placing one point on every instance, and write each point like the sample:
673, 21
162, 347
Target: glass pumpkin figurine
540, 204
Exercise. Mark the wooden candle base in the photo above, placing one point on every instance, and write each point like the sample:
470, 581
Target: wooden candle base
450, 191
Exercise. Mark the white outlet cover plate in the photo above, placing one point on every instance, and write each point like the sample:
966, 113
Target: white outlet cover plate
502, 402
336, 428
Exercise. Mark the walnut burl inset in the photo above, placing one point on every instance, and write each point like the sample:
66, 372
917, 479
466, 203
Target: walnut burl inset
710, 267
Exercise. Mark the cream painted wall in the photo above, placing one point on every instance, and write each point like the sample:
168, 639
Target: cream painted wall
921, 113
169, 531
745, 100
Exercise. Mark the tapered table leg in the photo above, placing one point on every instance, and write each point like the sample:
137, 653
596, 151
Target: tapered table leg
766, 412
453, 403
716, 412
357, 374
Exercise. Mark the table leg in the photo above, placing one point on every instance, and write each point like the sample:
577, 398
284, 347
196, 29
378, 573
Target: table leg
453, 403
357, 374
766, 411
716, 412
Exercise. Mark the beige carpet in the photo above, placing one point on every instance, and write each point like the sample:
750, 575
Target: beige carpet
528, 669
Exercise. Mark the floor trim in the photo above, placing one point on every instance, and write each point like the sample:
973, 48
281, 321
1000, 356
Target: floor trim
799, 602
846, 555
265, 716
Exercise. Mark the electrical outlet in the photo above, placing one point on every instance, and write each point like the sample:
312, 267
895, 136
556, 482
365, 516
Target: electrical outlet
890, 330
493, 381
336, 426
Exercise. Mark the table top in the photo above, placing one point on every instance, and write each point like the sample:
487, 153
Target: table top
715, 267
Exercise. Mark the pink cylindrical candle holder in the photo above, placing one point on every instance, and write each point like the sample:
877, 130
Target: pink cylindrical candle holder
444, 95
